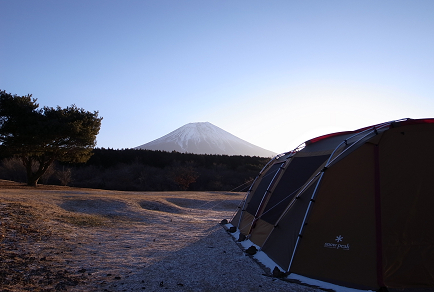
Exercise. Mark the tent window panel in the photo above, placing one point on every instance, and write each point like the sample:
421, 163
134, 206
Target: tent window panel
296, 175
281, 242
262, 188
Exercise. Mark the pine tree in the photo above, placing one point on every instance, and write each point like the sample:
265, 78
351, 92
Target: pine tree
40, 136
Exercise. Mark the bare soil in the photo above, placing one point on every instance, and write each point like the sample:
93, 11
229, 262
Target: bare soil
68, 239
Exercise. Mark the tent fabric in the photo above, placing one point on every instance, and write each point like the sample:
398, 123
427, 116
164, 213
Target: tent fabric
335, 214
351, 208
296, 174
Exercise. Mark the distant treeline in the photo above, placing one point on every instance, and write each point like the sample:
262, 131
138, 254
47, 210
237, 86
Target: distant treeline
146, 170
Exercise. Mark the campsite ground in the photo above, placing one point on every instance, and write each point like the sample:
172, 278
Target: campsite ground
67, 239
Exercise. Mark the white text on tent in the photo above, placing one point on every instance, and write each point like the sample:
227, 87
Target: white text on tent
337, 246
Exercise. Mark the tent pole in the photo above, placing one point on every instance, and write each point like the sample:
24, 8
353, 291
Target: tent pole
240, 207
298, 192
267, 193
304, 220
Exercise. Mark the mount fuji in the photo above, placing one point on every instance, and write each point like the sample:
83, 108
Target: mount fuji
205, 138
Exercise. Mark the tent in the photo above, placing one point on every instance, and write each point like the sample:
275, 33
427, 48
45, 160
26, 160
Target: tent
352, 208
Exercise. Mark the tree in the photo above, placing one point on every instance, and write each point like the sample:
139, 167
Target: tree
184, 175
40, 136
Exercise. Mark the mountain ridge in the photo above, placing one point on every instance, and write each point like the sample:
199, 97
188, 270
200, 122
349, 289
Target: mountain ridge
205, 138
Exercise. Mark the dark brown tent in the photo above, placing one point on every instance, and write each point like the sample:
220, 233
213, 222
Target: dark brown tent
354, 208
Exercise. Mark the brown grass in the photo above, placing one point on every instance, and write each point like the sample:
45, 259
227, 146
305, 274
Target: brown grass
60, 238
84, 220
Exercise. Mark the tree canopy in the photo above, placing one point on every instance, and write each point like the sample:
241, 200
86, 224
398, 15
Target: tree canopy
39, 136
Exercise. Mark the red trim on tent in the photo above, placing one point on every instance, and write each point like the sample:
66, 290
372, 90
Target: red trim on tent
314, 140
394, 123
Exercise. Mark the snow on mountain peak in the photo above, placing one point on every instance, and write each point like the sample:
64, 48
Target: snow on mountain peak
205, 138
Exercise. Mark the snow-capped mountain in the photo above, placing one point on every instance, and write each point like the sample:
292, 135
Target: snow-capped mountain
205, 138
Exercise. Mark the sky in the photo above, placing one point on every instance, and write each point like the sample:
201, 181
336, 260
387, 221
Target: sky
274, 73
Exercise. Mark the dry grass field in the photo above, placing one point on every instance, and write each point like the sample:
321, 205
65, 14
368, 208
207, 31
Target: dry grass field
67, 239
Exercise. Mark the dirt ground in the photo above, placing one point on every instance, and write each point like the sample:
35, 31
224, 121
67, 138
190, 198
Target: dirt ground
68, 239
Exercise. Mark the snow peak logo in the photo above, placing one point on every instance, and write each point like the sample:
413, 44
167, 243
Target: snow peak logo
339, 244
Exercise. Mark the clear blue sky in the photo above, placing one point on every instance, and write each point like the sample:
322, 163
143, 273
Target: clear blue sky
274, 73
